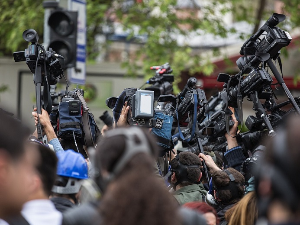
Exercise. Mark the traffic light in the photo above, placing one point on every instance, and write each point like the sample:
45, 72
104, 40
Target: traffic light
63, 35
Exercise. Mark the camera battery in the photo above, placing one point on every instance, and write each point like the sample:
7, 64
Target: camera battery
74, 107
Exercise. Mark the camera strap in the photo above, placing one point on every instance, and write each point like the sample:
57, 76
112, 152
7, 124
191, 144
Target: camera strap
88, 139
194, 121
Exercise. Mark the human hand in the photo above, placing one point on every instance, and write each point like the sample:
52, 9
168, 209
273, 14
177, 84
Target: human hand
209, 162
231, 140
45, 122
44, 118
104, 129
123, 117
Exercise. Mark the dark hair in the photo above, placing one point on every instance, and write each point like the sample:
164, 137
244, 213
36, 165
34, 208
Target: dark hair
219, 159
138, 196
70, 144
281, 160
203, 208
47, 167
221, 179
12, 135
193, 174
108, 160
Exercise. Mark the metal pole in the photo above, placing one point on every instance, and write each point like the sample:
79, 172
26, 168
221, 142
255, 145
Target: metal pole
283, 85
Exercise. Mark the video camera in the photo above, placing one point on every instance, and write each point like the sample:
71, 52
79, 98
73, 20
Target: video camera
141, 103
272, 42
257, 79
162, 81
36, 54
45, 66
72, 121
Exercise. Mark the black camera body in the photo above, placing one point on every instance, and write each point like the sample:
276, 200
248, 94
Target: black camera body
275, 40
256, 80
272, 42
48, 60
161, 83
107, 119
141, 103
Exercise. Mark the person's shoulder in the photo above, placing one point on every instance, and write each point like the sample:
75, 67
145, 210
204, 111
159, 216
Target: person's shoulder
84, 214
191, 217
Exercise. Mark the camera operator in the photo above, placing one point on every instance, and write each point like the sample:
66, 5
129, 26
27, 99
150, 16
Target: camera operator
186, 175
277, 178
234, 155
16, 168
48, 129
124, 160
39, 209
228, 185
71, 170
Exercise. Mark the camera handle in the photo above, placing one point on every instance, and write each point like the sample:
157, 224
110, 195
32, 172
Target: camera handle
283, 85
260, 112
38, 83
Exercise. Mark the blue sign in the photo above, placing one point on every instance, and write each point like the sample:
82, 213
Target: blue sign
77, 75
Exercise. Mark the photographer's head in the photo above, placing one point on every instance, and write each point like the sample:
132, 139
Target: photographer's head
186, 169
277, 183
126, 159
71, 170
16, 168
119, 149
228, 185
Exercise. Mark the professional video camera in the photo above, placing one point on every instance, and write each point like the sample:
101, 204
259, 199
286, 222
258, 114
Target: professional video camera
36, 55
45, 66
271, 43
141, 103
213, 124
257, 80
257, 85
162, 81
72, 120
273, 40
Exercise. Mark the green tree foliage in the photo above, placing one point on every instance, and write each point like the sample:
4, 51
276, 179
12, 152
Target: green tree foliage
15, 17
160, 21
292, 9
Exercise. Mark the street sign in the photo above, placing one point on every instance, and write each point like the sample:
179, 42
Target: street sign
77, 75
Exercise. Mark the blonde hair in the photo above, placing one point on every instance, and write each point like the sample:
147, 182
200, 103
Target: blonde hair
244, 212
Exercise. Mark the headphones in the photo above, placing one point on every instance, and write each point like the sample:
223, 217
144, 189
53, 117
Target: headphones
131, 149
181, 171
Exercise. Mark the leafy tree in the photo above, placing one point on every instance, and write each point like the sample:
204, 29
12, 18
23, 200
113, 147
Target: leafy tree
161, 22
15, 17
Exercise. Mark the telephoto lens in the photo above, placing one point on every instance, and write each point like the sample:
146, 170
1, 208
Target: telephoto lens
107, 119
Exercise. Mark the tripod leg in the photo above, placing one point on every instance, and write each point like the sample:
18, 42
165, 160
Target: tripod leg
282, 83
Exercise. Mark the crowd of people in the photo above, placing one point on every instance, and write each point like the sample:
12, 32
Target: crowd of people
120, 182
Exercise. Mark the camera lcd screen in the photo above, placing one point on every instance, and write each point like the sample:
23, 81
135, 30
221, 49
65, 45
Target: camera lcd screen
146, 103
